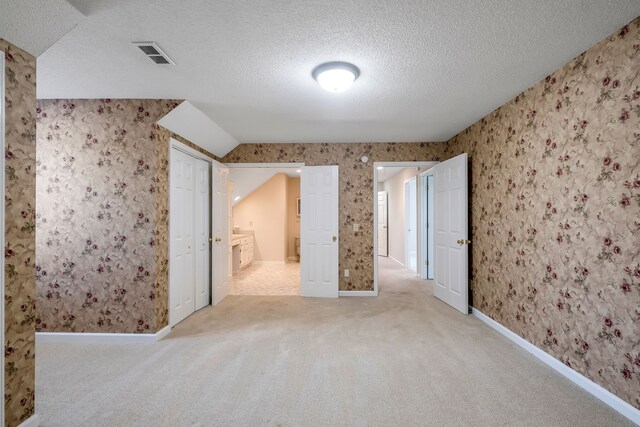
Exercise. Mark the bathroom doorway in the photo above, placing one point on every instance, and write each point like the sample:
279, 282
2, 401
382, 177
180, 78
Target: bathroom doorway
264, 220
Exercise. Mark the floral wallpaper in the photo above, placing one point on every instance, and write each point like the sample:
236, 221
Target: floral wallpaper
102, 215
555, 220
19, 250
356, 189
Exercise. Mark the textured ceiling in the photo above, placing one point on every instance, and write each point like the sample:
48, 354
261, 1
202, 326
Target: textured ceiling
35, 25
429, 68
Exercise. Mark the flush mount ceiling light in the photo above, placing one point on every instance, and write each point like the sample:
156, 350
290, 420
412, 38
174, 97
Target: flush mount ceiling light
335, 76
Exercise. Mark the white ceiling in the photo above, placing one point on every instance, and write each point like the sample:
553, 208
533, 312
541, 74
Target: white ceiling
35, 25
247, 180
192, 124
429, 68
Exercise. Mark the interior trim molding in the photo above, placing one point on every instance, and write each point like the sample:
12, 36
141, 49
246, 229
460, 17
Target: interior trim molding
357, 294
392, 258
32, 421
92, 337
599, 392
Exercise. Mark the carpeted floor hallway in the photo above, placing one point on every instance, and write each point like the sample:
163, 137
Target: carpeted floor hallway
401, 359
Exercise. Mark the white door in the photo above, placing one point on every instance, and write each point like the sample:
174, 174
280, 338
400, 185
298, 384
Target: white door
220, 209
319, 231
451, 244
202, 221
411, 224
383, 225
182, 263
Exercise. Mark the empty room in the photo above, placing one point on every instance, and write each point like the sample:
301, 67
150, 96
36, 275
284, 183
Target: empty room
320, 213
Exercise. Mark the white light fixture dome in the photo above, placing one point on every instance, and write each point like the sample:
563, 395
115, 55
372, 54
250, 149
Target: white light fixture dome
335, 76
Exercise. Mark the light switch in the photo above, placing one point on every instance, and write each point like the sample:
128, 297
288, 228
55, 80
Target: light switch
356, 227
346, 272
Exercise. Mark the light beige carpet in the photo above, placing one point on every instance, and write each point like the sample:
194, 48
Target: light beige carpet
402, 359
267, 279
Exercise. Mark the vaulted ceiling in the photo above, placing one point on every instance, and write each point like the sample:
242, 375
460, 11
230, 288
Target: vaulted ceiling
429, 69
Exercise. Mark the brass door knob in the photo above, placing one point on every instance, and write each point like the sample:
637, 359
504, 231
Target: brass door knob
463, 242
335, 238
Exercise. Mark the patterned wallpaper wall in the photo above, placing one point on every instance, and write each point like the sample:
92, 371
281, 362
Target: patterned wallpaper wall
102, 174
555, 221
356, 189
19, 251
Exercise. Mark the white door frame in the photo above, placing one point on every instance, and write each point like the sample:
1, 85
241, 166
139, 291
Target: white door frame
425, 164
198, 155
386, 226
407, 216
425, 231
2, 130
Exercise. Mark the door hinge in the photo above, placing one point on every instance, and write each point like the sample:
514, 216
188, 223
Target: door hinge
426, 262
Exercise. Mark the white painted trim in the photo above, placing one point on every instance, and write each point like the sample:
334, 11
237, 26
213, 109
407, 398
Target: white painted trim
190, 151
608, 398
92, 337
264, 165
2, 144
32, 421
358, 293
163, 332
375, 209
269, 262
395, 260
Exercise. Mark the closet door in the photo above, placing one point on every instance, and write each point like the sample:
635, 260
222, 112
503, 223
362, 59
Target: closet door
182, 262
202, 221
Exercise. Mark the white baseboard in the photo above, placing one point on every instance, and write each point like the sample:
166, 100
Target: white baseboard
357, 294
269, 262
91, 337
392, 258
32, 421
608, 398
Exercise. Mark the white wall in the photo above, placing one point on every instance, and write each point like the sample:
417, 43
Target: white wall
265, 212
395, 188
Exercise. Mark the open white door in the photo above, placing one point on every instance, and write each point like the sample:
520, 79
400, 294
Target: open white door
220, 209
451, 244
319, 231
202, 221
383, 224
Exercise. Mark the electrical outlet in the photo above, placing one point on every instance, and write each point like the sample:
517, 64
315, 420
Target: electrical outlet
346, 272
356, 227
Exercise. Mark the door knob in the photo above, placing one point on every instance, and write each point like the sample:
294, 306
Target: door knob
335, 238
463, 242
210, 240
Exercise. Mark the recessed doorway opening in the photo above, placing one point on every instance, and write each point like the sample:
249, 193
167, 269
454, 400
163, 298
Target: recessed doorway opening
401, 217
264, 255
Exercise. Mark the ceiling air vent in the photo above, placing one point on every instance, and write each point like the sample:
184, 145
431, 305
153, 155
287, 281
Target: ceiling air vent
154, 52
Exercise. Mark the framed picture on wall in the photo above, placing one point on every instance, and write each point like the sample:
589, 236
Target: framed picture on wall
298, 206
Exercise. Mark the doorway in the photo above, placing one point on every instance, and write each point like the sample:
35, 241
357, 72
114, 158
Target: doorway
411, 224
427, 220
265, 231
298, 244
383, 224
400, 185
